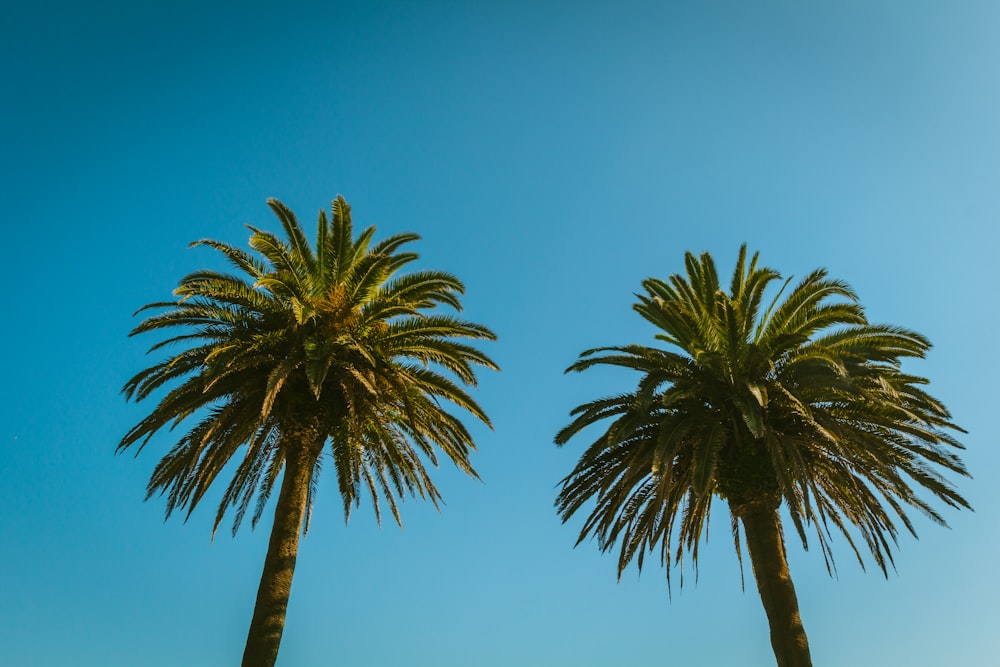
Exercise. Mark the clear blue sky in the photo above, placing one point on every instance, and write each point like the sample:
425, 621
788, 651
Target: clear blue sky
552, 155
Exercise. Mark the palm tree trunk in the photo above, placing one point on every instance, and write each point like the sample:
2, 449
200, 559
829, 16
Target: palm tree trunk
279, 565
770, 568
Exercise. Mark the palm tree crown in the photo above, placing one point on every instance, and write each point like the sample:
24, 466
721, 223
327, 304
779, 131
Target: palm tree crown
800, 401
309, 346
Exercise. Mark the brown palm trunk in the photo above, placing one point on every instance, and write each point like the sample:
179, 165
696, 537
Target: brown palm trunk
279, 565
767, 554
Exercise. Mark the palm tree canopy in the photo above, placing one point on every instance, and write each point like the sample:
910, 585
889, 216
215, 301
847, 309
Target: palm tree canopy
332, 339
798, 400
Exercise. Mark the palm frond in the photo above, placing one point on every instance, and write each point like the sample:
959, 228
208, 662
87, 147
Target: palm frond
309, 349
803, 402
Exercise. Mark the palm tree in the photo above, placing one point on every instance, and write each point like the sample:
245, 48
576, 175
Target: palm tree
308, 346
803, 404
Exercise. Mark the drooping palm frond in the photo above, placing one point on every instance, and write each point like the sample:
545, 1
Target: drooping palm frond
799, 401
328, 336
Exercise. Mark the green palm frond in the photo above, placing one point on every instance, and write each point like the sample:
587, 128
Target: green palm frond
329, 339
799, 401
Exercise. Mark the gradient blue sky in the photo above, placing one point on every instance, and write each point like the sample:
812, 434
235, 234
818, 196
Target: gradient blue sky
552, 155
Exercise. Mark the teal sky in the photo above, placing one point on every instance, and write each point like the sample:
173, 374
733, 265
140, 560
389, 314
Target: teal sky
552, 155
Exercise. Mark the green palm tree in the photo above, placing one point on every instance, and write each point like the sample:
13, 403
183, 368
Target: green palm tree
803, 404
308, 347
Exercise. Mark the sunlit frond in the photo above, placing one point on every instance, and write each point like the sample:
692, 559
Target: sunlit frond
328, 340
801, 403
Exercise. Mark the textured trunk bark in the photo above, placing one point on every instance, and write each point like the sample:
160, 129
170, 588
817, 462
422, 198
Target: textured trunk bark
279, 565
770, 569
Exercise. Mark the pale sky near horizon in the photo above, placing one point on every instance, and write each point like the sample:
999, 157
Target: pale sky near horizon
552, 155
